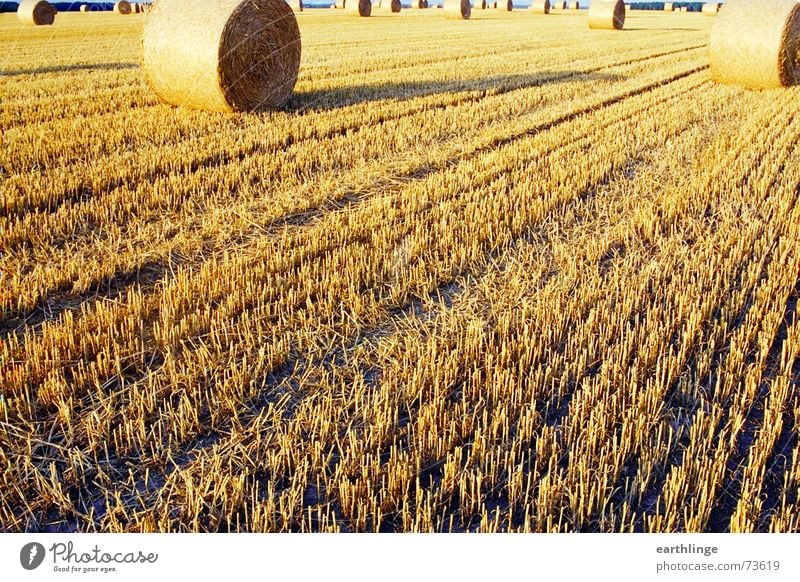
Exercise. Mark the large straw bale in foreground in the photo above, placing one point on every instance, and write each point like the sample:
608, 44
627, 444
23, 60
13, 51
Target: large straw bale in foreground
540, 6
711, 8
457, 9
36, 12
222, 55
607, 14
359, 7
754, 43
123, 7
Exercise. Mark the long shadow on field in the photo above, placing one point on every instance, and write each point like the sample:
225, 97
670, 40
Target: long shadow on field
68, 68
675, 29
355, 94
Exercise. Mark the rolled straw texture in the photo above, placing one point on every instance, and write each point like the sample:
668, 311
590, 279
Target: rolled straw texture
541, 6
457, 9
36, 12
754, 43
359, 7
607, 14
222, 55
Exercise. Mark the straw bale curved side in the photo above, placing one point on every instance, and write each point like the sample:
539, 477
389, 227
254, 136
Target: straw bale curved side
607, 15
229, 55
756, 43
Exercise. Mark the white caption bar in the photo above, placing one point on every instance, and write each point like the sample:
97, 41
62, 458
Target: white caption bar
351, 558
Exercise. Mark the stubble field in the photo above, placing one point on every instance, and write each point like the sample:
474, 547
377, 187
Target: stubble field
507, 274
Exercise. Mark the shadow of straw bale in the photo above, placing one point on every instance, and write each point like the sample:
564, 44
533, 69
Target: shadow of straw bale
68, 68
355, 94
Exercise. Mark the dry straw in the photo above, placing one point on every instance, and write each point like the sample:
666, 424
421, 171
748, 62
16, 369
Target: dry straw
123, 7
668, 7
541, 6
481, 4
226, 55
506, 5
711, 8
576, 6
358, 7
393, 6
84, 8
296, 5
607, 14
457, 9
36, 12
754, 43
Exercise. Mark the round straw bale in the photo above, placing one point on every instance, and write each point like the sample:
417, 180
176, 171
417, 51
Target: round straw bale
564, 5
576, 6
359, 7
607, 14
711, 8
505, 5
84, 8
480, 4
540, 6
339, 4
668, 7
393, 6
296, 5
756, 43
36, 12
226, 55
123, 7
425, 4
457, 9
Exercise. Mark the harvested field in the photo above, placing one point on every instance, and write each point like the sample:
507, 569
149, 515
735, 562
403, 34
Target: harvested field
522, 282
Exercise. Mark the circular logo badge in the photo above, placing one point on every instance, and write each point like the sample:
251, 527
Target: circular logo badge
31, 555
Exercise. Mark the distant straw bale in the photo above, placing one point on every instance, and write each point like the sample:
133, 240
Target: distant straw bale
607, 15
457, 9
36, 12
540, 6
358, 7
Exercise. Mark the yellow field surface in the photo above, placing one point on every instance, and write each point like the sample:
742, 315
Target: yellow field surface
507, 274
